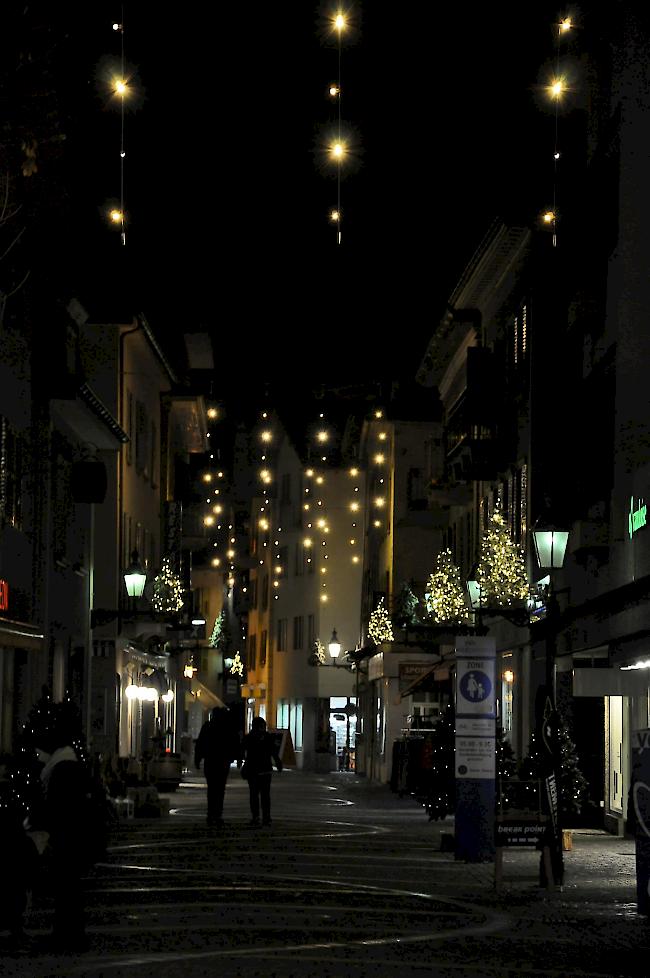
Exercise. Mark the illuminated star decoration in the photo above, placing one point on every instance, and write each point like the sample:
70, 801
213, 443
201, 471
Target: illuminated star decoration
380, 628
237, 667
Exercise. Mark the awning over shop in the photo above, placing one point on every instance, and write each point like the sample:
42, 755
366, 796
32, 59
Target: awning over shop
207, 697
611, 682
20, 635
427, 682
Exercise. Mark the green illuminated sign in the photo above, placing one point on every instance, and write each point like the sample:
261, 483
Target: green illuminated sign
636, 517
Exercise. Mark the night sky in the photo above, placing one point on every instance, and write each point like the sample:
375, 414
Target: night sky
227, 192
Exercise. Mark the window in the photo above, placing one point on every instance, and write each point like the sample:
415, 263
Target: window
285, 489
519, 338
263, 644
11, 474
154, 454
283, 561
299, 560
253, 587
129, 427
142, 460
415, 490
265, 592
298, 637
523, 503
281, 635
252, 651
282, 715
296, 726
311, 632
62, 504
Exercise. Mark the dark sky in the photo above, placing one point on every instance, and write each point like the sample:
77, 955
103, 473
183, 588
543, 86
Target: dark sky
227, 196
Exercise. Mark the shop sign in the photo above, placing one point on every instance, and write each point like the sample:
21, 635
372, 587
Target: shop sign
522, 832
4, 595
410, 671
637, 518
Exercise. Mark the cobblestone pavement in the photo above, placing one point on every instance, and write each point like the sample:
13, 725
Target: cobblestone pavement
349, 880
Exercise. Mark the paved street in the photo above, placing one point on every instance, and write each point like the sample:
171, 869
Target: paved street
349, 880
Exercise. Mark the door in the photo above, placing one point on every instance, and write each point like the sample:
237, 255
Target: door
615, 751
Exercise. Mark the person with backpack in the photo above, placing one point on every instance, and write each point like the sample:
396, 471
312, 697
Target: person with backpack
217, 745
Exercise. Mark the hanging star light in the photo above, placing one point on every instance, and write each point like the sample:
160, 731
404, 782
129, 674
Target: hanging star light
237, 667
380, 628
167, 596
444, 596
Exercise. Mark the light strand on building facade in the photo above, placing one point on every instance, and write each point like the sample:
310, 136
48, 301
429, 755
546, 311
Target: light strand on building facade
557, 89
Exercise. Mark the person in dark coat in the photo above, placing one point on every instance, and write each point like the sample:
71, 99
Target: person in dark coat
217, 745
260, 750
65, 813
19, 861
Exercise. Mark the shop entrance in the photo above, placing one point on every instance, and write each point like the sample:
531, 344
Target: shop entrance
343, 724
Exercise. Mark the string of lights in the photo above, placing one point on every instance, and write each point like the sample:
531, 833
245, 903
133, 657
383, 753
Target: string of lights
338, 148
557, 89
121, 89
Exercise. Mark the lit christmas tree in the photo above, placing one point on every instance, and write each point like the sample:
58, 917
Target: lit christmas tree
501, 572
506, 767
167, 596
445, 596
571, 782
217, 630
318, 656
43, 719
380, 628
441, 795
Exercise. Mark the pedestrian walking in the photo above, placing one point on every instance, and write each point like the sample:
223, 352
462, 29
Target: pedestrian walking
217, 745
260, 750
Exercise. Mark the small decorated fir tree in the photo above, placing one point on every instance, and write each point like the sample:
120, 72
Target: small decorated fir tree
167, 594
506, 767
406, 606
445, 596
380, 628
441, 747
572, 784
501, 573
217, 629
44, 718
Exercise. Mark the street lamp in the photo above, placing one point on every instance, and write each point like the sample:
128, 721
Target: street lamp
135, 576
334, 647
550, 548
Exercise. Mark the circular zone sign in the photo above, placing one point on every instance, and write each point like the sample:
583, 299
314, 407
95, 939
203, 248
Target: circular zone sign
475, 686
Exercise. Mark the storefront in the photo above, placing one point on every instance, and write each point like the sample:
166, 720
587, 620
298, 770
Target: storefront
19, 642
